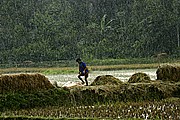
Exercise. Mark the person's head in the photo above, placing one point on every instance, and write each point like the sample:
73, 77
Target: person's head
78, 60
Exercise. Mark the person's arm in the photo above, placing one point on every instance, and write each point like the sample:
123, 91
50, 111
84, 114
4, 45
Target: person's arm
85, 68
79, 69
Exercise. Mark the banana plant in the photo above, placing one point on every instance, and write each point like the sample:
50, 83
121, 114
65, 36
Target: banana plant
105, 25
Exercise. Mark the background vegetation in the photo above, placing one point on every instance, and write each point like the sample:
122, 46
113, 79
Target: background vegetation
53, 30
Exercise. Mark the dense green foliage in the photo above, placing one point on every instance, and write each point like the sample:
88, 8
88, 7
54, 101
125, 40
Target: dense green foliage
52, 30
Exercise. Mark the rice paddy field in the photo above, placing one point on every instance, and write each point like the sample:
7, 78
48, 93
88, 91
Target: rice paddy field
154, 99
123, 75
168, 109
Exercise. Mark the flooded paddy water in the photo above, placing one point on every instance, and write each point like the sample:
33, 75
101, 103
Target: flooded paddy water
123, 75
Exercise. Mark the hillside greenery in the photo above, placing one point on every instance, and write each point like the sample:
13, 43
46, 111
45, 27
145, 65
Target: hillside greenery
53, 30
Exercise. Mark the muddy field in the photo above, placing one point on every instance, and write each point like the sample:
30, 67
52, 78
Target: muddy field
123, 75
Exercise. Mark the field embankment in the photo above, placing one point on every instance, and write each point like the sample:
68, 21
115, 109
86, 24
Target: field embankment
24, 83
120, 101
30, 90
70, 66
69, 70
106, 93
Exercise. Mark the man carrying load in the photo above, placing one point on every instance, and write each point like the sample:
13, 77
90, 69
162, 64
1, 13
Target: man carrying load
83, 71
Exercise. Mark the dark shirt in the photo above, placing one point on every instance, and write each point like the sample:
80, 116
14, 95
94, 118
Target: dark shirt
82, 67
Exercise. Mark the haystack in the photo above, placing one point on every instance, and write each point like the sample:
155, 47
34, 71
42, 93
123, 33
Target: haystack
106, 80
24, 82
139, 77
168, 73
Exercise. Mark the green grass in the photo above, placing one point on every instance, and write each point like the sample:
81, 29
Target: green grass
156, 110
70, 70
28, 118
58, 67
56, 71
130, 61
50, 118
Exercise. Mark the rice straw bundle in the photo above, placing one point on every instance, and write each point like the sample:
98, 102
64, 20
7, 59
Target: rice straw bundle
24, 82
106, 80
139, 77
168, 73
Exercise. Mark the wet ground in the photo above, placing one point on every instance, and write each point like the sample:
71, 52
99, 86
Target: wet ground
123, 75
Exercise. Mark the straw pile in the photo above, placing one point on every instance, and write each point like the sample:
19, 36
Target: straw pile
24, 82
139, 78
106, 80
168, 73
125, 92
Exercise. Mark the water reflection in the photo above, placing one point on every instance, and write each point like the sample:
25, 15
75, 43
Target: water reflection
123, 75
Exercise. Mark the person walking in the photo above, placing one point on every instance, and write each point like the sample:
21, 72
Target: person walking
83, 71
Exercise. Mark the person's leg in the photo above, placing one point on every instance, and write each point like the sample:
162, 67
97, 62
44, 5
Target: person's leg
79, 76
86, 76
